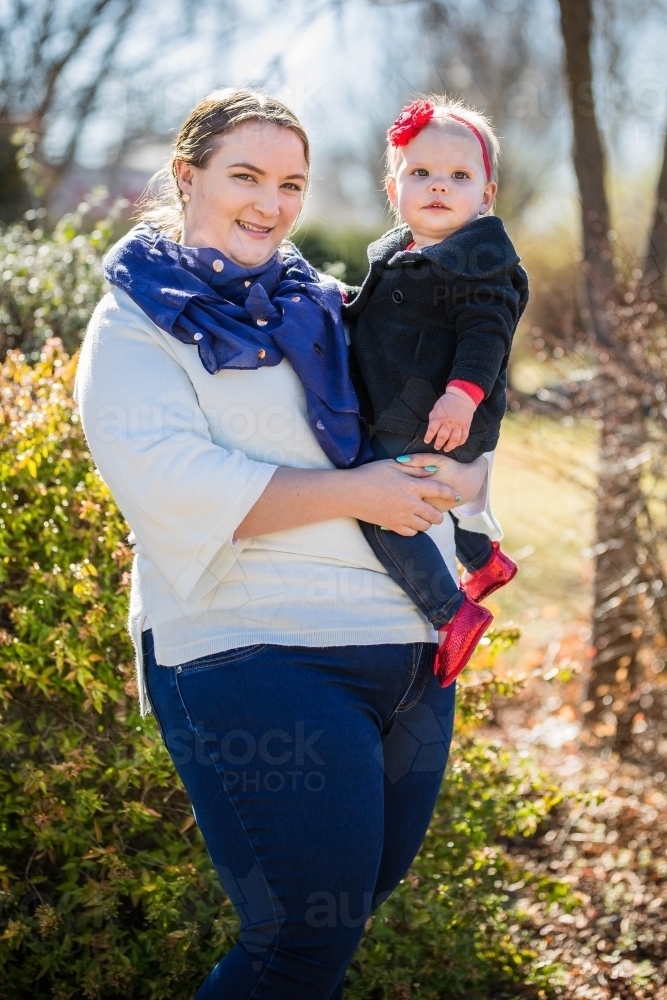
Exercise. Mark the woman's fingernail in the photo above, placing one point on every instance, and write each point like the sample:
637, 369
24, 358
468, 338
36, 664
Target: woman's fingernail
431, 468
458, 498
403, 458
383, 529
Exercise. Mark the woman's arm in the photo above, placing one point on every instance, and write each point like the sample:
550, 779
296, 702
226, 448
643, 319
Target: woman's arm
386, 493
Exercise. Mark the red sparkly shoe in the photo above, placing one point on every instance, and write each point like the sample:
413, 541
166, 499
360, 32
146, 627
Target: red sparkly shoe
463, 633
498, 571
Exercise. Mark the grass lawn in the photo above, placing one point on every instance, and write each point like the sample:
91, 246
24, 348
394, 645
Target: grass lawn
543, 495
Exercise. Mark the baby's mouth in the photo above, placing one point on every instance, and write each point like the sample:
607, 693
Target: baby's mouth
437, 204
250, 228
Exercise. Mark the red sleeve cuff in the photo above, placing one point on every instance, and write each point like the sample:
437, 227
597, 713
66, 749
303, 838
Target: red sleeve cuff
475, 392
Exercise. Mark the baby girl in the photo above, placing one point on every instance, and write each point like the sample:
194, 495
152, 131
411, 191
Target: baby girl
431, 329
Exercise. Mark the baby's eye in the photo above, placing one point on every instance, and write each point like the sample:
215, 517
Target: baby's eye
459, 175
421, 172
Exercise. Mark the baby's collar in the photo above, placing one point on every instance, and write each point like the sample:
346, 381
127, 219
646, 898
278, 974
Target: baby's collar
477, 250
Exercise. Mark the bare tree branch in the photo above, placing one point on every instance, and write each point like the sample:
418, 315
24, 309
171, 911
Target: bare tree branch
42, 35
81, 33
86, 102
57, 59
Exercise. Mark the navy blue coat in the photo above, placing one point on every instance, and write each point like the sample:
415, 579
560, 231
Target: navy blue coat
421, 319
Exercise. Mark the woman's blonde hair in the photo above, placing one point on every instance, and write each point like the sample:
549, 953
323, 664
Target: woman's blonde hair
216, 115
445, 109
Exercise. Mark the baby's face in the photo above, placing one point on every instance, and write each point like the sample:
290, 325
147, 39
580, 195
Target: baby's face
440, 182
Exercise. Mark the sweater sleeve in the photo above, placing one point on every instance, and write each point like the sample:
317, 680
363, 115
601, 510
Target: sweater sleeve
182, 495
485, 313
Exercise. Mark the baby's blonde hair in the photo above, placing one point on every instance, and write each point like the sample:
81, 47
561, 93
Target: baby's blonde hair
445, 108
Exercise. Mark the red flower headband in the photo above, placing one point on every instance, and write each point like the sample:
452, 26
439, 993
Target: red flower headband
414, 117
410, 122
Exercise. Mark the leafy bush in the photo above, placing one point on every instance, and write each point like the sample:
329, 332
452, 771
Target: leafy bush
105, 885
50, 284
106, 888
342, 254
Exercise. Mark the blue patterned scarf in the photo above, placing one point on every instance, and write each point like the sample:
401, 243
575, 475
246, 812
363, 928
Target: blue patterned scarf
248, 317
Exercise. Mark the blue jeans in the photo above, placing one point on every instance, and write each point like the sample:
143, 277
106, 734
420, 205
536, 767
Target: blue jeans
313, 774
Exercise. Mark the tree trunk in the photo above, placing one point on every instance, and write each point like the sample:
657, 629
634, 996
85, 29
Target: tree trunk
589, 162
617, 615
655, 267
616, 632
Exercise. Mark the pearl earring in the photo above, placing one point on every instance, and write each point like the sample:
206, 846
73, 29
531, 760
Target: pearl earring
185, 196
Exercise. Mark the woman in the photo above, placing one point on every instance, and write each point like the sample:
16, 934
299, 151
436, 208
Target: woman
290, 677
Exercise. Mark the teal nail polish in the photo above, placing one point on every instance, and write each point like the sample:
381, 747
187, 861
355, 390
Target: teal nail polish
403, 458
431, 468
383, 529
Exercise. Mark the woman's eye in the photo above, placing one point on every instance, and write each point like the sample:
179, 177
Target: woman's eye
459, 175
244, 177
291, 186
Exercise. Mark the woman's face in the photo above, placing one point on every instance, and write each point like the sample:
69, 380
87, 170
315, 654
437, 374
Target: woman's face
248, 197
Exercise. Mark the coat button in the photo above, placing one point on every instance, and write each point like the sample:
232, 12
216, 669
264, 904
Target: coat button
262, 322
261, 354
198, 336
398, 296
218, 265
247, 284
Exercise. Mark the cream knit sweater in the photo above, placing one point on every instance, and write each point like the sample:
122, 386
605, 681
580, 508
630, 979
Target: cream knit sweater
186, 454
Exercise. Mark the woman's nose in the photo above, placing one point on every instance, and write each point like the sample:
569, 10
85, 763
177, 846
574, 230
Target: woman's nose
267, 203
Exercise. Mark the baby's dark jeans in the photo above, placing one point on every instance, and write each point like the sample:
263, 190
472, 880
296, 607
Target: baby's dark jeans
415, 563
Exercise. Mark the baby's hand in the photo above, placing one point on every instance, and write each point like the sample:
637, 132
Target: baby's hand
449, 420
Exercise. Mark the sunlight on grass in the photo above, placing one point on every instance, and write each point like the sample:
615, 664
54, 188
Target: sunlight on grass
543, 495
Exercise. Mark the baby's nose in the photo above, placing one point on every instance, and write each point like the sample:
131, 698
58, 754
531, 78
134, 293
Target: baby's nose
438, 184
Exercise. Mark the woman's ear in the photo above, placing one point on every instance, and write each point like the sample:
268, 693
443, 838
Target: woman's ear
488, 198
392, 192
184, 175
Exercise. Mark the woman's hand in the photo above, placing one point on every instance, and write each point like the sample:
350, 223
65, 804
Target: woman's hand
401, 499
385, 493
465, 479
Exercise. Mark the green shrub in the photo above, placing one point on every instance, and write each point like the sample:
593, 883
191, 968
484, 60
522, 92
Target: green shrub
51, 283
106, 888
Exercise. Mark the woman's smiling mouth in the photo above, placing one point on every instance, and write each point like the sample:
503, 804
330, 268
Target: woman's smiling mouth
253, 230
